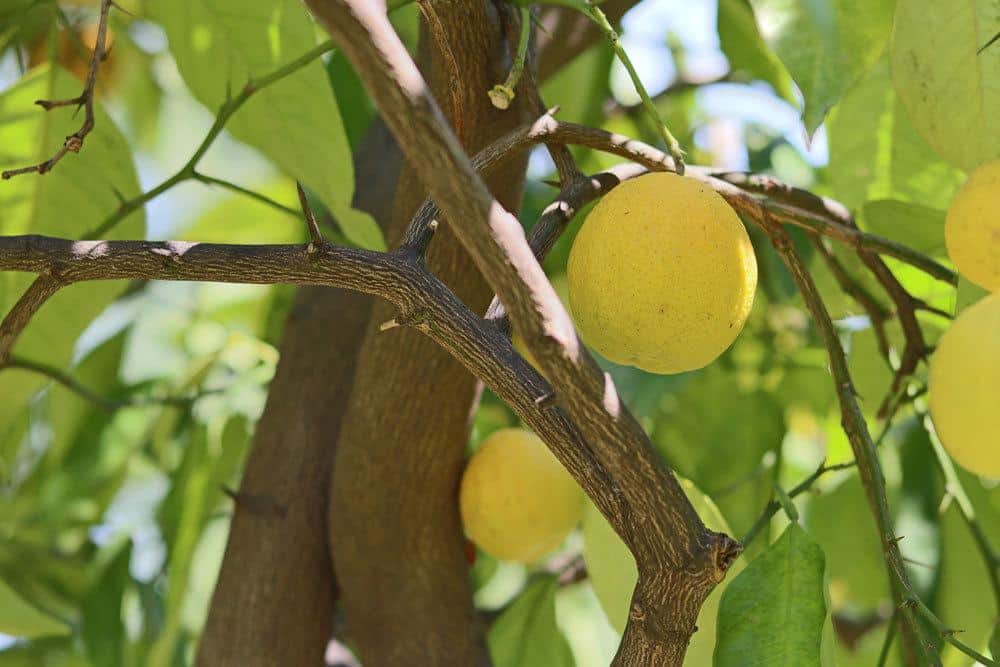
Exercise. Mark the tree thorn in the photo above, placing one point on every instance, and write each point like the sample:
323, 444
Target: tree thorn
314, 231
546, 400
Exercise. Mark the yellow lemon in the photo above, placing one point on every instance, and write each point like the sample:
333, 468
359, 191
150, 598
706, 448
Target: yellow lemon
972, 227
517, 501
964, 388
662, 274
613, 573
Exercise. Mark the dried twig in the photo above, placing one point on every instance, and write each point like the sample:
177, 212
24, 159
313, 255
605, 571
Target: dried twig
74, 142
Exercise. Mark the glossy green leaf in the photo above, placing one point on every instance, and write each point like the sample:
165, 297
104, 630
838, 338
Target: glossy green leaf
221, 45
875, 152
73, 198
747, 51
827, 45
949, 86
20, 618
772, 614
920, 227
526, 634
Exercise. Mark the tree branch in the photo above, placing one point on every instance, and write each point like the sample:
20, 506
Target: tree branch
679, 560
21, 313
74, 142
852, 420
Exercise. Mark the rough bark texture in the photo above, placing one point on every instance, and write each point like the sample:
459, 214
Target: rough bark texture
272, 560
276, 591
400, 553
659, 525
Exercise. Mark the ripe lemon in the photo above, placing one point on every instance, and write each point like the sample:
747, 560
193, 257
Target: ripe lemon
517, 501
972, 227
613, 572
662, 274
964, 388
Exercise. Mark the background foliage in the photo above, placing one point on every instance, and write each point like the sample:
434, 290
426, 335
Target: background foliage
114, 514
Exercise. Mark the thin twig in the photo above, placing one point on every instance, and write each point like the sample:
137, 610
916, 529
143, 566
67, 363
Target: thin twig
74, 142
314, 233
246, 192
877, 313
103, 402
856, 428
189, 170
673, 146
772, 507
44, 286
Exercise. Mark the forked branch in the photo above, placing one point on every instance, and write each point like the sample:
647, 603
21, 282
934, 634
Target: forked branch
85, 100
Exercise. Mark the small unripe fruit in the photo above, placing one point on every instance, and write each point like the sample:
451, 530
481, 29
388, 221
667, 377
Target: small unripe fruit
662, 274
964, 388
517, 501
972, 227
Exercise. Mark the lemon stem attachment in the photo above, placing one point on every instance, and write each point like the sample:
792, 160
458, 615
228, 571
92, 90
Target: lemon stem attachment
673, 147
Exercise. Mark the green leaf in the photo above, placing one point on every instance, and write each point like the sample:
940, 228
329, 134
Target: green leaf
875, 152
827, 45
948, 88
716, 434
20, 618
772, 614
964, 597
103, 631
968, 293
854, 566
526, 634
74, 197
920, 227
221, 45
747, 51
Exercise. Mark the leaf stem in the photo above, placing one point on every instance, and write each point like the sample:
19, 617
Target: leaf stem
502, 94
226, 111
673, 147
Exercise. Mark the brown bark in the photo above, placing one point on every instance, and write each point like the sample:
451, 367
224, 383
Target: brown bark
400, 553
274, 600
270, 561
643, 500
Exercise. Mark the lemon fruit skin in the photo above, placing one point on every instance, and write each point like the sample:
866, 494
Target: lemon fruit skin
613, 572
517, 501
972, 227
662, 274
964, 387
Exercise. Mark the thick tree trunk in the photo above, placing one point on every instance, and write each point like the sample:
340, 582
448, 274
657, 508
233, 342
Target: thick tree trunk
400, 556
274, 601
